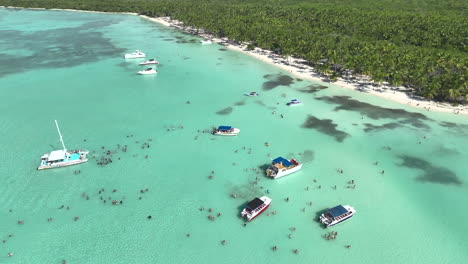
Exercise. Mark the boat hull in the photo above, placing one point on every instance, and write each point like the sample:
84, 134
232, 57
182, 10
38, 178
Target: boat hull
284, 172
61, 164
130, 56
323, 218
245, 213
233, 133
338, 222
147, 72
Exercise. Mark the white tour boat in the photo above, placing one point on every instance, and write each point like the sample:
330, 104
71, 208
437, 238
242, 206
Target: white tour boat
226, 131
149, 62
136, 54
336, 215
148, 71
294, 102
206, 42
62, 158
252, 94
255, 208
281, 167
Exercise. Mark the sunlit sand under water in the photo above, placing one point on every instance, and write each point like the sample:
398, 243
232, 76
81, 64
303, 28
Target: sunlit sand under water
158, 188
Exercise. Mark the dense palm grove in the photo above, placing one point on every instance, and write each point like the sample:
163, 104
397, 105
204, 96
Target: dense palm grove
419, 44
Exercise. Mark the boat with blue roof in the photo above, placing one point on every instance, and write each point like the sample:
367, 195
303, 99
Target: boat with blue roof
255, 207
252, 94
294, 102
336, 215
281, 167
62, 157
226, 131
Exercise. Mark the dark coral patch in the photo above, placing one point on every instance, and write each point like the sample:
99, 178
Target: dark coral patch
225, 111
313, 88
325, 126
431, 173
275, 80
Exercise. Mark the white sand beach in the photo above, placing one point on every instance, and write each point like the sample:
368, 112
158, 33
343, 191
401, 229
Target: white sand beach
298, 68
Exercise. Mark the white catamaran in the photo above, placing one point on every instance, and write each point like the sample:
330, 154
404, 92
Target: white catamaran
62, 158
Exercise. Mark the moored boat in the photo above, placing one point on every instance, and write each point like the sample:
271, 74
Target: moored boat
226, 131
148, 71
255, 207
136, 54
62, 158
206, 42
252, 94
294, 102
336, 215
149, 62
280, 167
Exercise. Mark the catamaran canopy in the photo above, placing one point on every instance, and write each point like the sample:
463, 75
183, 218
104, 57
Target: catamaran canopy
254, 203
224, 127
282, 160
337, 211
56, 155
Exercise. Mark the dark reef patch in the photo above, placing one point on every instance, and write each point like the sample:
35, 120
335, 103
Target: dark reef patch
369, 110
186, 41
225, 111
275, 80
371, 127
222, 49
325, 126
431, 173
239, 103
58, 48
313, 88
307, 156
460, 129
260, 103
375, 112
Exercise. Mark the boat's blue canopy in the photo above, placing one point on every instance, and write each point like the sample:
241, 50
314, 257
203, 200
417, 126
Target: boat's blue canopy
337, 211
285, 162
224, 127
293, 100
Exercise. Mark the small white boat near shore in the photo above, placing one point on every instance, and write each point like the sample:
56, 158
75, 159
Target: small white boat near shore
149, 62
226, 131
280, 167
294, 102
62, 157
136, 54
148, 71
206, 42
336, 215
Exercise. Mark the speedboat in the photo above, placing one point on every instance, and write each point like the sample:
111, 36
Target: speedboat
62, 157
294, 102
226, 131
206, 42
149, 62
280, 167
255, 207
252, 94
336, 215
148, 71
136, 54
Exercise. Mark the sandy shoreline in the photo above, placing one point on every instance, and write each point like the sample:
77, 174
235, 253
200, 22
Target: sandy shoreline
297, 68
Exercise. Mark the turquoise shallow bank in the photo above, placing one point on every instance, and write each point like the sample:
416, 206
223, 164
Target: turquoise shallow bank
69, 66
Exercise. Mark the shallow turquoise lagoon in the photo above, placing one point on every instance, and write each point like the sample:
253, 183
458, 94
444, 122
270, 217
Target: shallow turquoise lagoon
69, 66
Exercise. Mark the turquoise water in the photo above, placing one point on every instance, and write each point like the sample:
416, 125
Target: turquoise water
69, 66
